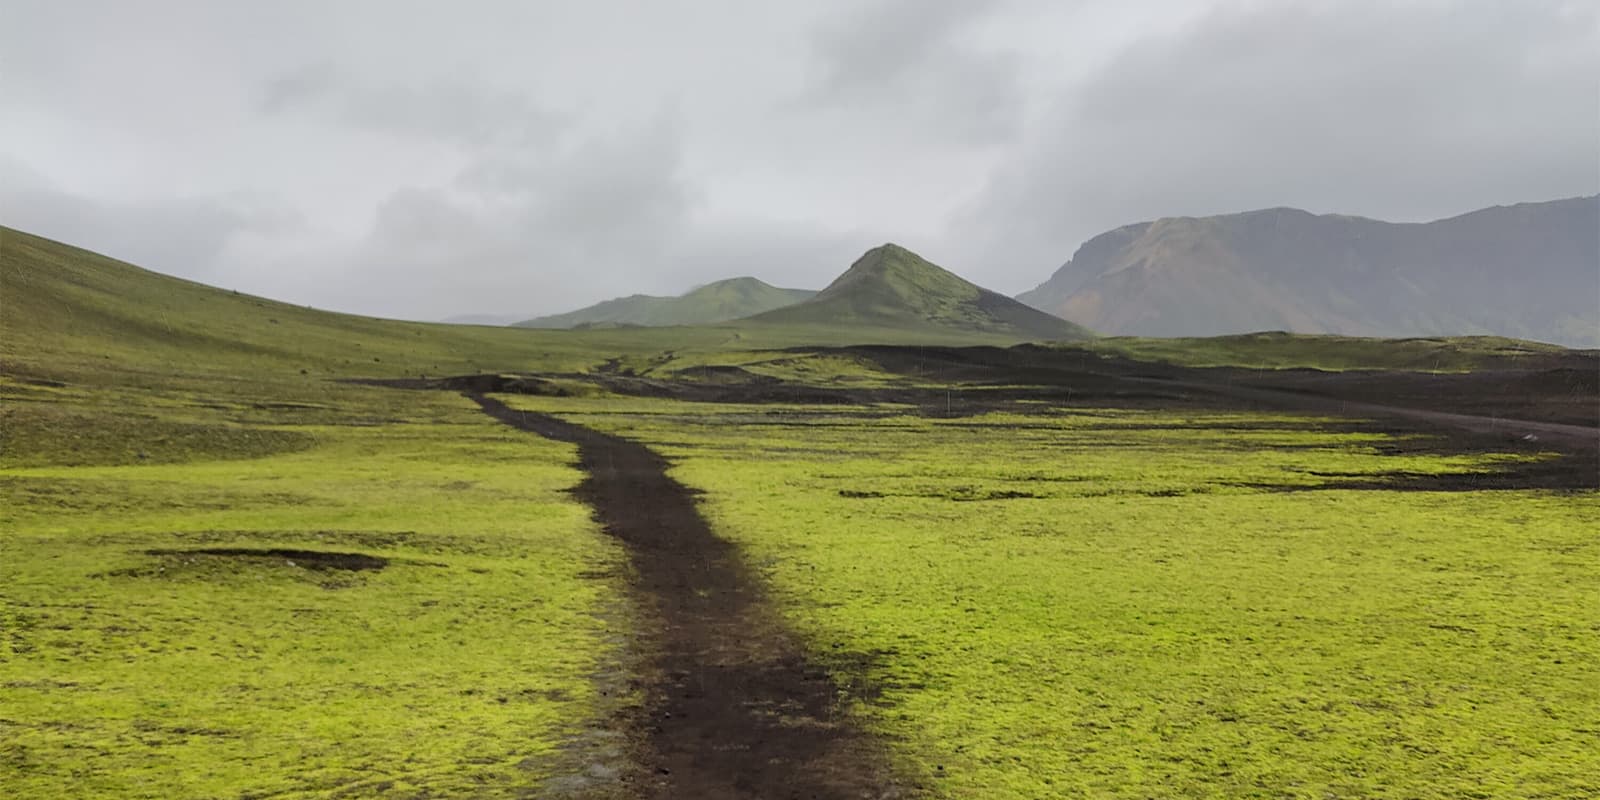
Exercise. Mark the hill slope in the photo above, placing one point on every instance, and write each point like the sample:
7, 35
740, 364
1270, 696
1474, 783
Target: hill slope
67, 310
891, 287
1530, 271
72, 314
714, 302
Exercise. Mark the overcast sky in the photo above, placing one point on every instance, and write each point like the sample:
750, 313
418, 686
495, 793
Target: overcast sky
423, 160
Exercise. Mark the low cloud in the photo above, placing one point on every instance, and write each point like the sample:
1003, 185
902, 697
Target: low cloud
458, 110
532, 234
913, 61
191, 237
1405, 111
503, 160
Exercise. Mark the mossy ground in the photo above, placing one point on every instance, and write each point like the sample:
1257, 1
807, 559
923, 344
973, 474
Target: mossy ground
131, 666
1067, 603
1153, 604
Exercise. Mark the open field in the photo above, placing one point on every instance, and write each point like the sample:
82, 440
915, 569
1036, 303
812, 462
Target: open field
1048, 598
177, 620
1133, 603
772, 560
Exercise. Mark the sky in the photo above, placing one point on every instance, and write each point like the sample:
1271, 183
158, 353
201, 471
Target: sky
517, 157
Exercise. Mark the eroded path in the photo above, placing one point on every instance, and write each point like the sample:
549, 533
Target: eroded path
733, 709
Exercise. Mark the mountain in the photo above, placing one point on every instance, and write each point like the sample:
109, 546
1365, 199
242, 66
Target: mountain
892, 287
1530, 271
713, 302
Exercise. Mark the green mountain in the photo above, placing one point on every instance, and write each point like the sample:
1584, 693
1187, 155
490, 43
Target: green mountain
1530, 271
891, 287
714, 302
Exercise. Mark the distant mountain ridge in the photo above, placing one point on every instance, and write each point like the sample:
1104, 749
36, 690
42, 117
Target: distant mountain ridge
714, 302
892, 287
1529, 271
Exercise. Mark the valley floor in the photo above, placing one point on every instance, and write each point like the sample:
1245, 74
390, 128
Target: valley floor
959, 575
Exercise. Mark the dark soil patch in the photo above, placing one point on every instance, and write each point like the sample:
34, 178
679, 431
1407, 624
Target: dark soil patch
726, 374
1569, 473
997, 494
733, 708
860, 493
319, 560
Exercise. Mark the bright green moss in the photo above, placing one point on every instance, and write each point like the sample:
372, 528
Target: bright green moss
1109, 604
460, 668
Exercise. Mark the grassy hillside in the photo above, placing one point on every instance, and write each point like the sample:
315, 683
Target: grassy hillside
892, 287
65, 307
715, 302
1526, 271
67, 313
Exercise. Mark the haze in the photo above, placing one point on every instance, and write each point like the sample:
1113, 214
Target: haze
428, 160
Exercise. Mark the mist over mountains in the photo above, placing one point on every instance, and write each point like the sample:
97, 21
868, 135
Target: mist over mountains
1530, 270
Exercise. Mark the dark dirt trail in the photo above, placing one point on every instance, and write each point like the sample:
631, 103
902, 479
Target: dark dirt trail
733, 709
1580, 437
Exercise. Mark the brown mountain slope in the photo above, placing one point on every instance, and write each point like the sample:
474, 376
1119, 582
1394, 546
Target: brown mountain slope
1530, 271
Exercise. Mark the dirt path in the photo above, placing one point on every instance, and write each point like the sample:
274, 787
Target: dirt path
732, 709
1576, 437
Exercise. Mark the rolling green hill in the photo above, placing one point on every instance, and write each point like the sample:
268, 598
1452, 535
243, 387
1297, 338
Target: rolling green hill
64, 308
68, 313
72, 314
715, 302
892, 287
1526, 271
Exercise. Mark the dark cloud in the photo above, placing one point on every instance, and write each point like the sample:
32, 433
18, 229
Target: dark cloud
1404, 111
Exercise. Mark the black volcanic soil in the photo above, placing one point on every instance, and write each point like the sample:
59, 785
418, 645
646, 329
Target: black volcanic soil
733, 708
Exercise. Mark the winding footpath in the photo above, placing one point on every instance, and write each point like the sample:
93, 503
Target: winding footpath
732, 708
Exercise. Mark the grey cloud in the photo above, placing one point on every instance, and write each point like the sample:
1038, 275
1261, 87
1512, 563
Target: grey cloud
888, 42
455, 109
910, 58
1398, 110
298, 88
185, 236
528, 230
508, 158
608, 215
